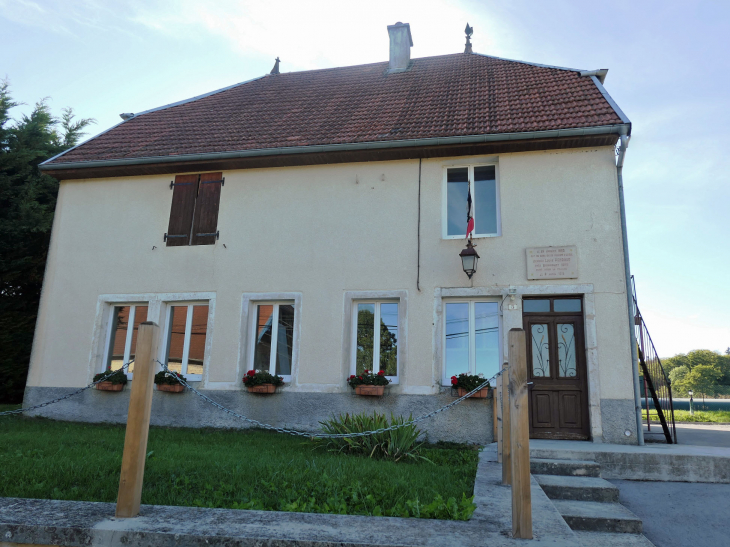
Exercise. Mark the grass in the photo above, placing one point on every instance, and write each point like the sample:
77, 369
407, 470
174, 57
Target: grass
721, 416
231, 469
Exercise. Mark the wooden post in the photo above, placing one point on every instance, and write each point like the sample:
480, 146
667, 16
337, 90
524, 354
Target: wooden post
506, 428
519, 436
138, 422
498, 418
495, 435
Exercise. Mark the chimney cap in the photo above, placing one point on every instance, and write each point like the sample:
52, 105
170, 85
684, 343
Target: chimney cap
399, 25
127, 116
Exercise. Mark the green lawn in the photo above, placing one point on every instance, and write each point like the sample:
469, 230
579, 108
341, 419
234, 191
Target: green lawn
722, 416
232, 469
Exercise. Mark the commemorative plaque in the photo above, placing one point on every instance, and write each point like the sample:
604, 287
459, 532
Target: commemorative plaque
552, 262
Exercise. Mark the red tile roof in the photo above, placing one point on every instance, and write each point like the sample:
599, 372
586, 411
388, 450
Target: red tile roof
444, 96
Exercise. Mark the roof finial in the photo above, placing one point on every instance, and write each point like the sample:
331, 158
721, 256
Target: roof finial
275, 70
469, 31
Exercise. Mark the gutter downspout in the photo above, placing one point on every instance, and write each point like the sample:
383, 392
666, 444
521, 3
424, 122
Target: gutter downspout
629, 292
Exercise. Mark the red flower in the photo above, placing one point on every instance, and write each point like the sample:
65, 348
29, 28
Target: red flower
360, 377
251, 373
365, 371
352, 376
454, 381
381, 373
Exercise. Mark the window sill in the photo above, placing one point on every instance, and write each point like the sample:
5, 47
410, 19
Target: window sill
474, 236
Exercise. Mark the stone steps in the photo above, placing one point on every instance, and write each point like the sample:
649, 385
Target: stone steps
574, 468
601, 539
597, 516
558, 487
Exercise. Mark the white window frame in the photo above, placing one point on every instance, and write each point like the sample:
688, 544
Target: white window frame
188, 330
445, 200
130, 332
446, 380
376, 339
253, 328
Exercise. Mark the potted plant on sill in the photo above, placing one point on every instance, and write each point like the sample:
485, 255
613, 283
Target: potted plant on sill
113, 382
368, 383
169, 381
464, 383
260, 381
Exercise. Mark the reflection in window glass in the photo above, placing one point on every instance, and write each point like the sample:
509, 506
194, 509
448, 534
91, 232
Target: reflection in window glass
140, 316
262, 352
365, 337
540, 351
457, 338
389, 338
176, 338
486, 336
485, 200
566, 304
529, 305
118, 343
198, 334
285, 339
188, 331
566, 350
457, 188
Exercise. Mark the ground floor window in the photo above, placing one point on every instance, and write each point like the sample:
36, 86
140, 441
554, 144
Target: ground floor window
471, 338
187, 331
124, 324
273, 336
376, 338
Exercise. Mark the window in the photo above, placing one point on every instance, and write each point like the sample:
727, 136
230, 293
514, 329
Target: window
471, 338
375, 348
273, 338
482, 180
187, 331
123, 327
194, 210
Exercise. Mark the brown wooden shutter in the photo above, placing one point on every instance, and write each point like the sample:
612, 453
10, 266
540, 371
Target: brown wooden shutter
206, 209
181, 212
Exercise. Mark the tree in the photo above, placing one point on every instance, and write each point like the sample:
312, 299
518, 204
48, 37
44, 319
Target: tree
27, 204
701, 379
677, 376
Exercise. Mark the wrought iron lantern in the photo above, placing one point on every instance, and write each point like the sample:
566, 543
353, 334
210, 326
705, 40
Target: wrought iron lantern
469, 258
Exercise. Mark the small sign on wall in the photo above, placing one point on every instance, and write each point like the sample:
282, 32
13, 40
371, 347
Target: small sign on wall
552, 262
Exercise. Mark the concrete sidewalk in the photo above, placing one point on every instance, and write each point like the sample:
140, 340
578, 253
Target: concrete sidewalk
84, 523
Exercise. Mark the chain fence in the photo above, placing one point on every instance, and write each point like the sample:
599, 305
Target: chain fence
124, 367
262, 425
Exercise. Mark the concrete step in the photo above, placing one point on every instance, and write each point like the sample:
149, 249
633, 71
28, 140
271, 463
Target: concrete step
601, 539
575, 468
558, 487
594, 516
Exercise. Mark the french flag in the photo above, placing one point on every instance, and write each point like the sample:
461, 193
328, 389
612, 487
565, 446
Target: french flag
469, 215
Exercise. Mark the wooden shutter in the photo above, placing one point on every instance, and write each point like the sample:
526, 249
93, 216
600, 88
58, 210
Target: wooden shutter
181, 211
206, 209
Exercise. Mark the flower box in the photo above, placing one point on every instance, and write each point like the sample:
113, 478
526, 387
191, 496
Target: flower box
481, 394
108, 386
171, 388
262, 388
370, 391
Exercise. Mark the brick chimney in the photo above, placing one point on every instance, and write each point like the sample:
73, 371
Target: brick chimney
400, 46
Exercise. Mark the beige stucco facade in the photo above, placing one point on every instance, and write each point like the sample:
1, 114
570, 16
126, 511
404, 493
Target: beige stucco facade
321, 235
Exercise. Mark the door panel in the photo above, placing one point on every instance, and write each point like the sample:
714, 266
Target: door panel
557, 372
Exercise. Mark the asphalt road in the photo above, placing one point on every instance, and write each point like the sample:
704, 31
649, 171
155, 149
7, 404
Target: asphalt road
698, 434
680, 514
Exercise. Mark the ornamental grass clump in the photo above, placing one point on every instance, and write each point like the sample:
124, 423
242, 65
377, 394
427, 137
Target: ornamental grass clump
468, 382
115, 378
169, 378
259, 377
398, 444
368, 378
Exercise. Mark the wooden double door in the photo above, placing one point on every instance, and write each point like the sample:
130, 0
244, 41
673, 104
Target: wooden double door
556, 362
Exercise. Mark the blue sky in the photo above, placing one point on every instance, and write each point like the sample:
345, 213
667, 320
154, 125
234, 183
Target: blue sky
669, 72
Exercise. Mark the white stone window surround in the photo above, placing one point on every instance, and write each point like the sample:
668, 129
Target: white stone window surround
512, 319
248, 326
475, 162
353, 346
351, 299
157, 311
446, 381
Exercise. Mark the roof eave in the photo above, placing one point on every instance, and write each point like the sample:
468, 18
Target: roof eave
618, 129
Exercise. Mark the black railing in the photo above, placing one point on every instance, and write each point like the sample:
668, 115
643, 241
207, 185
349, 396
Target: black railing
657, 386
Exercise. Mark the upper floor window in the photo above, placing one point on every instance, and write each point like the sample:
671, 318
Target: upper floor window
124, 324
376, 338
194, 210
481, 180
187, 332
471, 338
273, 338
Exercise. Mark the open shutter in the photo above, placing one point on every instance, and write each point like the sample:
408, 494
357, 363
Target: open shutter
181, 213
205, 225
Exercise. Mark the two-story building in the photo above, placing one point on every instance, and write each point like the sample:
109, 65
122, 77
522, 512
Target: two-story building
281, 223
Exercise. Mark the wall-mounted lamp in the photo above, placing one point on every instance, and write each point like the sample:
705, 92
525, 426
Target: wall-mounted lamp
469, 259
